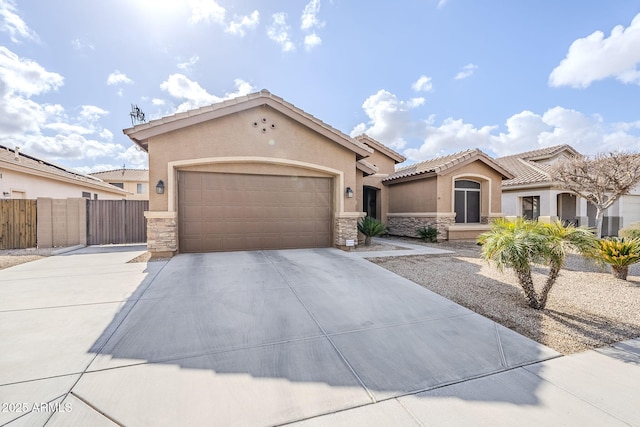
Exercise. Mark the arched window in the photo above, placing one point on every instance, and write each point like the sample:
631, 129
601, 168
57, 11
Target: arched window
467, 201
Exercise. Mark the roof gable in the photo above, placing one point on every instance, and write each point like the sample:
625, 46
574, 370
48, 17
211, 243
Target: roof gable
534, 167
442, 164
381, 148
15, 160
140, 134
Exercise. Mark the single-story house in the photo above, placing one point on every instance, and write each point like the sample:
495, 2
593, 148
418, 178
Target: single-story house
257, 172
134, 181
24, 176
532, 194
458, 194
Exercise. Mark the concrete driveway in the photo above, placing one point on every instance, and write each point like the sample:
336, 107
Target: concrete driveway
262, 338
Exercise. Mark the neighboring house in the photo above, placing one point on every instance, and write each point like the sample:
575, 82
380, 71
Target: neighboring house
256, 172
532, 194
27, 177
458, 194
134, 181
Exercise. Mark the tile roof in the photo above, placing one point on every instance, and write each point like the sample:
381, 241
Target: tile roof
366, 167
123, 175
378, 146
142, 132
440, 164
25, 162
527, 167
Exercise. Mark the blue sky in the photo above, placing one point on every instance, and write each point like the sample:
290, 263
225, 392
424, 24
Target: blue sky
426, 77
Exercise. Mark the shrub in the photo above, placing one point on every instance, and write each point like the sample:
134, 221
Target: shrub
521, 244
619, 253
428, 234
632, 231
370, 227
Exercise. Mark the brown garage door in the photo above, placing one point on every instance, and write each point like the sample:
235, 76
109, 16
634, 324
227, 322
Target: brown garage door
230, 212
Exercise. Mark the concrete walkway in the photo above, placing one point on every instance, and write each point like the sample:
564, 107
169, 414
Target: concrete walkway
315, 337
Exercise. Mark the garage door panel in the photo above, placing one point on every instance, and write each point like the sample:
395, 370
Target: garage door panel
224, 212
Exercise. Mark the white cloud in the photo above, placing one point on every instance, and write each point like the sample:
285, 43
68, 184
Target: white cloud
391, 123
278, 31
467, 71
311, 41
423, 84
80, 44
595, 57
117, 78
451, 136
157, 101
26, 77
134, 157
206, 11
441, 3
238, 26
309, 18
187, 65
389, 119
210, 11
181, 87
13, 24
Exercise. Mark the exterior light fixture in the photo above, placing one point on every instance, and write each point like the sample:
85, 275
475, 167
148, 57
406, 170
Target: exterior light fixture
160, 187
349, 193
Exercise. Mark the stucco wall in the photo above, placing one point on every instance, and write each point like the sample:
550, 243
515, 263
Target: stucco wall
35, 186
274, 136
490, 187
413, 196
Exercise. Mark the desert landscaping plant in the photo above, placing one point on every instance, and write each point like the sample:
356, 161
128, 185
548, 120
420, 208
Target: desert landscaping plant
632, 231
428, 234
370, 227
522, 244
620, 253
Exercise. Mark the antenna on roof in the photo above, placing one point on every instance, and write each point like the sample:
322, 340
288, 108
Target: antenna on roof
137, 115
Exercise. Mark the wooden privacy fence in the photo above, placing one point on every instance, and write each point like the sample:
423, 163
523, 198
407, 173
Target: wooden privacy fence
18, 224
116, 221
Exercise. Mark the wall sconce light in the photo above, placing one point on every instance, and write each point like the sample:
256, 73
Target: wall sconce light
349, 193
160, 187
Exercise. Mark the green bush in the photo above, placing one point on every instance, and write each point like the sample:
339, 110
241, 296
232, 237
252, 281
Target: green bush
632, 231
370, 227
428, 234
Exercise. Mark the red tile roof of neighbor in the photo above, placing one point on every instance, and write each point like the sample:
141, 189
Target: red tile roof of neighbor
527, 167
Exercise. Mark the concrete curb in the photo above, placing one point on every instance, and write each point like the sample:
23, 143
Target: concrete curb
69, 249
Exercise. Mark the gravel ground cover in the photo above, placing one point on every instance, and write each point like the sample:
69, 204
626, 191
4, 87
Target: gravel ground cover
587, 308
11, 257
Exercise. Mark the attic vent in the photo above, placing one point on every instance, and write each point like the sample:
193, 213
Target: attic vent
264, 125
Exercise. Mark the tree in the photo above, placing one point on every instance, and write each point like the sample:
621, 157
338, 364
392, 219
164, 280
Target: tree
601, 179
521, 244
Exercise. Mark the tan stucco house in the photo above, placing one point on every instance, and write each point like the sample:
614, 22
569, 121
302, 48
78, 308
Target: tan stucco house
25, 176
458, 194
134, 181
532, 193
256, 172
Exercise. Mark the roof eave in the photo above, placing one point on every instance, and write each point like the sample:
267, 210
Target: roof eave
140, 134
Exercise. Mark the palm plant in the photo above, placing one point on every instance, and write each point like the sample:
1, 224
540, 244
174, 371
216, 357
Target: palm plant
521, 244
370, 227
619, 253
